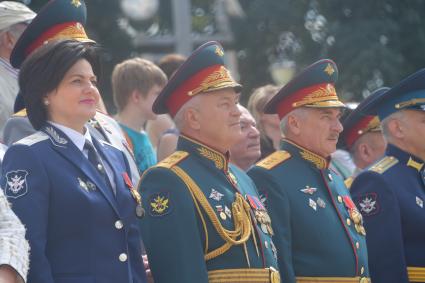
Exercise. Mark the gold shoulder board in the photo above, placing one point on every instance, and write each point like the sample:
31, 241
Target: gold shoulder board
384, 164
173, 159
348, 182
274, 159
21, 113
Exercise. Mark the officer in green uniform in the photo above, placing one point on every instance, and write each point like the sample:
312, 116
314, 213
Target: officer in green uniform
204, 220
319, 233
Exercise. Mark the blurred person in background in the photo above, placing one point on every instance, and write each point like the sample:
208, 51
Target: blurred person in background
267, 124
362, 136
136, 83
14, 18
246, 151
79, 205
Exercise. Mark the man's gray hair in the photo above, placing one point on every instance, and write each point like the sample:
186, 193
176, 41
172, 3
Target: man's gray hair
298, 112
399, 115
179, 117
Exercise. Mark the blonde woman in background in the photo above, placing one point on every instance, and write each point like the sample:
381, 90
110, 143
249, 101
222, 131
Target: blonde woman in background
267, 124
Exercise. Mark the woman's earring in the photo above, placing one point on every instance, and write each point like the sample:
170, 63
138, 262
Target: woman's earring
46, 102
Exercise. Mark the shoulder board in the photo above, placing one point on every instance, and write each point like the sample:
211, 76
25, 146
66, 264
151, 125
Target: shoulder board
22, 113
384, 164
348, 182
274, 159
173, 159
33, 139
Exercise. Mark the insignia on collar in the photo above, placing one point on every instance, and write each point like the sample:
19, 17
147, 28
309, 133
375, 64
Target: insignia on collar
213, 156
274, 159
317, 160
308, 190
368, 204
419, 202
412, 163
215, 195
159, 204
16, 183
55, 136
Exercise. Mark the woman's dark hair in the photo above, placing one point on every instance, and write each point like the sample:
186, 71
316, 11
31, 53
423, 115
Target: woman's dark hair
43, 71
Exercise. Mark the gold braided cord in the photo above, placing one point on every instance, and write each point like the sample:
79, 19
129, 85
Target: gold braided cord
204, 225
240, 211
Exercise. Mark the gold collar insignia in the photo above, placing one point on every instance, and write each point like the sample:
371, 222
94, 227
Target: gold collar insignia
412, 163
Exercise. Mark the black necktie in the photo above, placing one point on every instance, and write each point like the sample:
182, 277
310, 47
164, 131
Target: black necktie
96, 161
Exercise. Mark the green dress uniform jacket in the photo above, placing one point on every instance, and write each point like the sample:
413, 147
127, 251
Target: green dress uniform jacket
204, 221
319, 233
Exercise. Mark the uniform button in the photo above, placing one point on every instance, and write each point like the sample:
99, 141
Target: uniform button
340, 199
362, 270
330, 177
357, 245
123, 257
119, 224
99, 167
348, 221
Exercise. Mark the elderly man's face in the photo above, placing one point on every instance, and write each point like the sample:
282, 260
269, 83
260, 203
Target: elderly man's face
219, 118
413, 131
319, 130
247, 148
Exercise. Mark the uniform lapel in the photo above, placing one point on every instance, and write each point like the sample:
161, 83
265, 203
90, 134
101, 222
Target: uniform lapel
68, 150
107, 157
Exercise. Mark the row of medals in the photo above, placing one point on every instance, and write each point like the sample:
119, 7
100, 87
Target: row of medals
261, 216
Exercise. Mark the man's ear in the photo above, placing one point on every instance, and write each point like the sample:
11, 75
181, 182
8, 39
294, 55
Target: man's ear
396, 128
192, 118
293, 124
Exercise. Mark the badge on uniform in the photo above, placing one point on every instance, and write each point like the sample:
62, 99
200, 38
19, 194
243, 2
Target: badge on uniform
355, 215
215, 195
261, 214
419, 202
16, 183
368, 204
309, 190
87, 186
140, 211
220, 211
159, 204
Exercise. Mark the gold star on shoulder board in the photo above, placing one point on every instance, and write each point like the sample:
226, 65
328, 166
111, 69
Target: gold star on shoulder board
76, 3
329, 70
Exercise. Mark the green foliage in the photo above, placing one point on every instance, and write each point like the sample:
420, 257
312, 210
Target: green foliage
374, 43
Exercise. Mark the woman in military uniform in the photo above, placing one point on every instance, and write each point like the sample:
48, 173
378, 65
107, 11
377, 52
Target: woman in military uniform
72, 191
